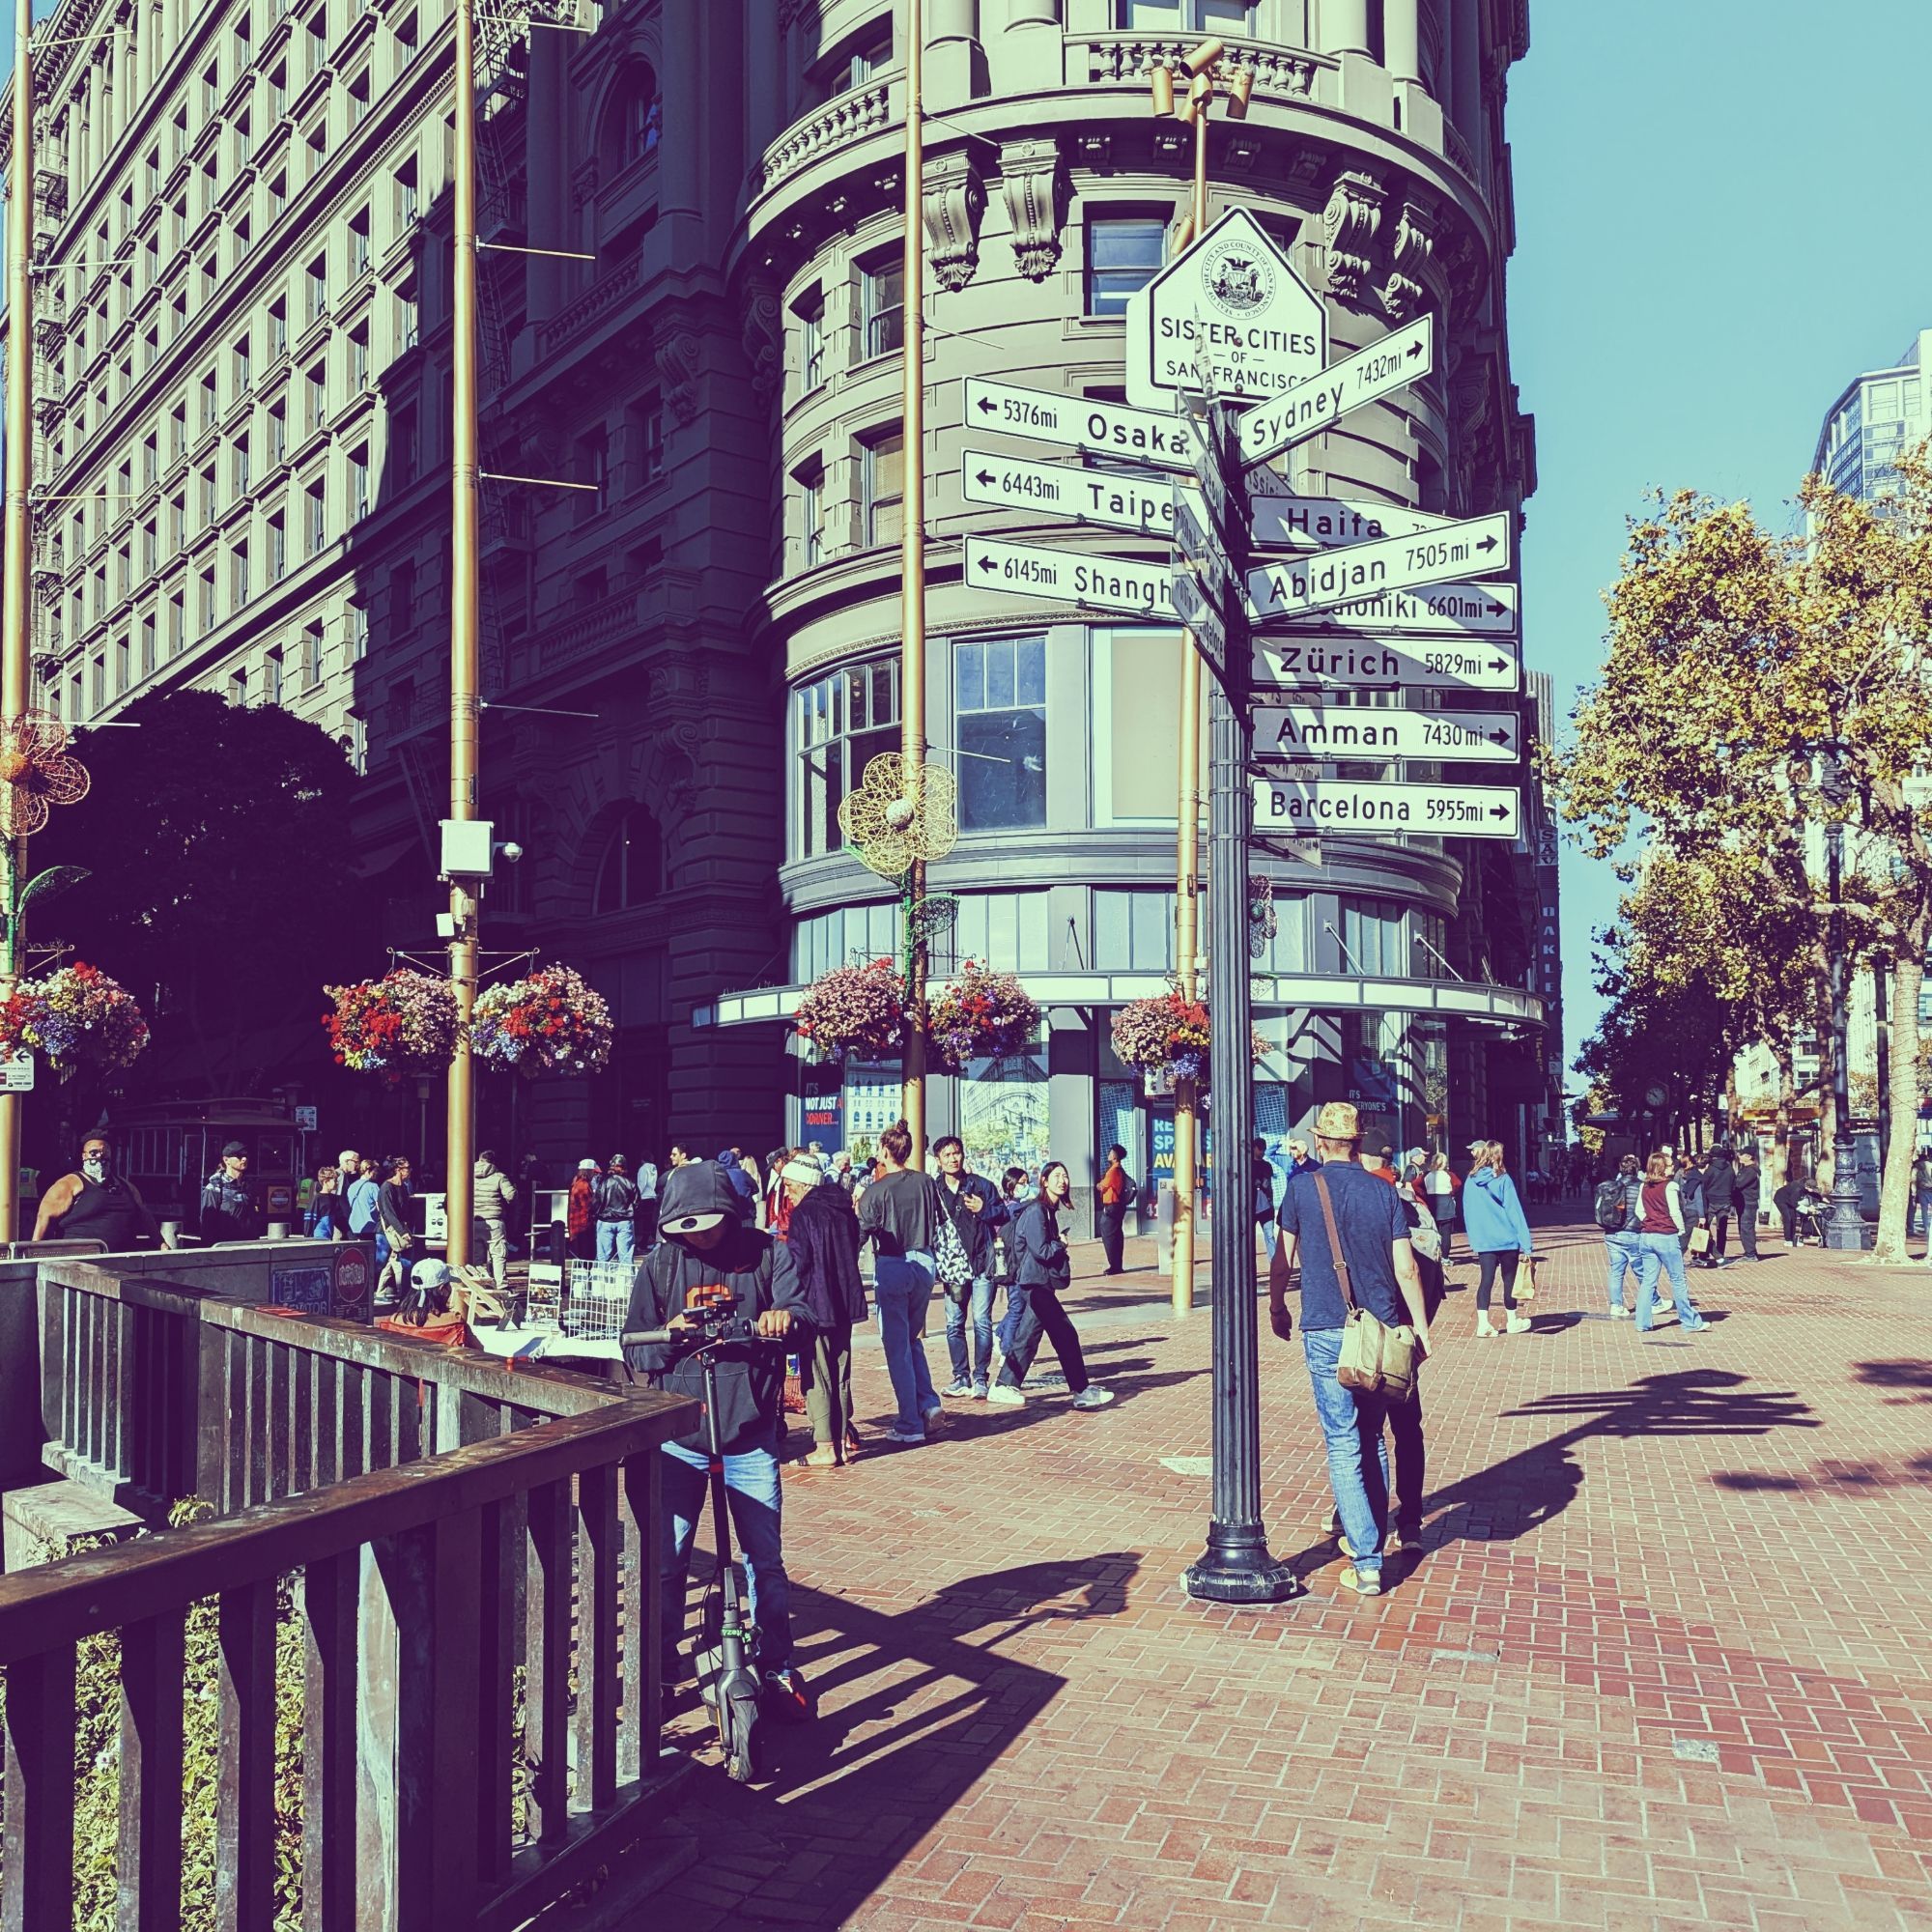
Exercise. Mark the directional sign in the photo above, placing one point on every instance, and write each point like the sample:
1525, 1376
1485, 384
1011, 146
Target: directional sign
1286, 521
1300, 586
1376, 664
1367, 805
1397, 359
1201, 558
1228, 316
1066, 577
1470, 611
1201, 616
1105, 496
1313, 732
1075, 423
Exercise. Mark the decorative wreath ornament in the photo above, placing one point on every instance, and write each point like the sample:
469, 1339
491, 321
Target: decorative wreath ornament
552, 1021
901, 811
35, 772
76, 1016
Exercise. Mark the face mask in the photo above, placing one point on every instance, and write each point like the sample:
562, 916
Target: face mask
95, 1167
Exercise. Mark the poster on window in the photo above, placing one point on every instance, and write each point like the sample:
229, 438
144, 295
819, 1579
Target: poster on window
874, 1100
824, 1117
1002, 1115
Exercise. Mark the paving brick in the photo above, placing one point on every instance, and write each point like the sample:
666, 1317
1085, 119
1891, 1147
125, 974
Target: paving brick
1623, 1688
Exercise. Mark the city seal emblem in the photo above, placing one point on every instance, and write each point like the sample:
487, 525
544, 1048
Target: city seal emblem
1238, 281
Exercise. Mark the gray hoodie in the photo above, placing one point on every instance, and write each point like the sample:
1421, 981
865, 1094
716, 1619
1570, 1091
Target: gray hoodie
494, 1191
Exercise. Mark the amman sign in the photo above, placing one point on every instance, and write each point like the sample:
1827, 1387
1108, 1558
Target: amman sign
1229, 318
1307, 733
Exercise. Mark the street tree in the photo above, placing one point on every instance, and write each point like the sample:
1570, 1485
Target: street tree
1757, 686
219, 885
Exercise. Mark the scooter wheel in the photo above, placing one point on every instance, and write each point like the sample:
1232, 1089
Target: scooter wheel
739, 1720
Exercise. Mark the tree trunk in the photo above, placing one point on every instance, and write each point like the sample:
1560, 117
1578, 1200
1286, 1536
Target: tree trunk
1824, 1160
1894, 1198
1780, 1150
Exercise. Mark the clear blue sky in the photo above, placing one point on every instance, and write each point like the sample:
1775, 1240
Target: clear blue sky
1722, 217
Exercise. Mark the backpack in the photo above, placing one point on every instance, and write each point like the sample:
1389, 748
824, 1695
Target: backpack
616, 1197
1612, 1208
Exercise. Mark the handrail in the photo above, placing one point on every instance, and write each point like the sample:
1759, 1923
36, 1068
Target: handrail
100, 1590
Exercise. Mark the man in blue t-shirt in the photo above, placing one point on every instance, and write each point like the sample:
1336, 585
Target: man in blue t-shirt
1383, 1274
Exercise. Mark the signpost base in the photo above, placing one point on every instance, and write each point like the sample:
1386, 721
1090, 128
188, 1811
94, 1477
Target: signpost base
1238, 1568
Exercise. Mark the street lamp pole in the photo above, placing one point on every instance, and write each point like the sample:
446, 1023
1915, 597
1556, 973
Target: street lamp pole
1845, 1221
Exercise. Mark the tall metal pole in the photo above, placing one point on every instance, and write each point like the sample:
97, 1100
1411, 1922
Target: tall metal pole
912, 561
1236, 1567
1187, 835
15, 608
1844, 1220
463, 598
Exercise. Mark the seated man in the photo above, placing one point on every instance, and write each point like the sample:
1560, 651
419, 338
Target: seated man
703, 1243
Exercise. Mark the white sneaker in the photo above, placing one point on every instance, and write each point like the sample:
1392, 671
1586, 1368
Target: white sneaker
905, 1436
1482, 1325
1620, 1312
1516, 1324
1005, 1396
1094, 1396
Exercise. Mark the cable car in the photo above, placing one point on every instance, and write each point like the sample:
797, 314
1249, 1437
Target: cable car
169, 1150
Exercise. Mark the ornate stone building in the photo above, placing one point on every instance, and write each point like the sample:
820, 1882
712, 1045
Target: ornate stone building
689, 655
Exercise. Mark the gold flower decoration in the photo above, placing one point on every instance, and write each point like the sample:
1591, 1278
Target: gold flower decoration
36, 773
900, 812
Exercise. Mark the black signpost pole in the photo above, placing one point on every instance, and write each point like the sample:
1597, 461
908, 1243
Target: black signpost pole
1236, 1567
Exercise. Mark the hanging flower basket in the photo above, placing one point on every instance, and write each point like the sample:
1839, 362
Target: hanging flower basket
78, 1016
981, 1015
401, 1026
551, 1022
854, 1010
1169, 1036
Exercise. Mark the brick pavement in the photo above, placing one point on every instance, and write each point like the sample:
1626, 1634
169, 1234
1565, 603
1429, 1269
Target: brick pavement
1662, 1663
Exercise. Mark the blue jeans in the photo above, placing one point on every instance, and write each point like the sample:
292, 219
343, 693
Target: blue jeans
617, 1241
978, 1307
1665, 1253
903, 1288
1626, 1252
1358, 1471
757, 1516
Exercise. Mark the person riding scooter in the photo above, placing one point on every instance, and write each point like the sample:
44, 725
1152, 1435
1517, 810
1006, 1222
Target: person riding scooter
705, 1254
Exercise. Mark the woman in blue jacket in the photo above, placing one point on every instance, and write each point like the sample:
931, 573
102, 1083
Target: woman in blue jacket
1498, 1234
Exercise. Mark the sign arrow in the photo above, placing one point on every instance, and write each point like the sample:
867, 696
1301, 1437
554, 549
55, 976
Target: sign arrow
1318, 402
984, 478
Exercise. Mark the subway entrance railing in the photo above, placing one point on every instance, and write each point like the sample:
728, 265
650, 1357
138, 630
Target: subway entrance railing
460, 1555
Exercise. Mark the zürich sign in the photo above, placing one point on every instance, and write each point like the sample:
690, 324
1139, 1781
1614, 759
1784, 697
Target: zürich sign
1228, 317
1376, 664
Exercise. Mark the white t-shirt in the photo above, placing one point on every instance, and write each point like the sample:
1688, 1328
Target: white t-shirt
1436, 1181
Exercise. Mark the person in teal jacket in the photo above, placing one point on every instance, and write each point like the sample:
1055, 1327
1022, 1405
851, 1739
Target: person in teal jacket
1499, 1236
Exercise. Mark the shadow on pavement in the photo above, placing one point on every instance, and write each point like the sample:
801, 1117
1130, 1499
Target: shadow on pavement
1914, 1379
914, 1706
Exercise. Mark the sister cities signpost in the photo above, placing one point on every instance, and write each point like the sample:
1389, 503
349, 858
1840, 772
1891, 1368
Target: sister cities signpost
1355, 596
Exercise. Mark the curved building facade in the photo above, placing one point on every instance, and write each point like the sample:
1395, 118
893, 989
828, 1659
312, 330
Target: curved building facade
1392, 970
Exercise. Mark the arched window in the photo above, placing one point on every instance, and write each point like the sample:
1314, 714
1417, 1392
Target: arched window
631, 870
633, 120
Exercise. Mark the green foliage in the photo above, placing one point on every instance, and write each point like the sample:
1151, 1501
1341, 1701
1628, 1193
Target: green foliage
96, 1758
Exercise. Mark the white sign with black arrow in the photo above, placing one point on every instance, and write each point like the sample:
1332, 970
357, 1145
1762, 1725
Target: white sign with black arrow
1068, 576
1298, 586
1105, 496
1369, 805
1468, 610
1074, 422
1374, 664
1306, 733
1283, 522
1394, 361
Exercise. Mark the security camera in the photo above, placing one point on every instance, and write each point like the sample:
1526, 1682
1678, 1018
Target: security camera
511, 852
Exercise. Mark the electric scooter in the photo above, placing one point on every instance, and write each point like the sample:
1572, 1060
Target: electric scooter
727, 1672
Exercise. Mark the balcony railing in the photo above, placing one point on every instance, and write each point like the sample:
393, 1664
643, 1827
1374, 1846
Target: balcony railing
468, 1558
848, 118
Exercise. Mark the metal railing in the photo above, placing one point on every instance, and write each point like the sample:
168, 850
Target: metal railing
474, 1555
